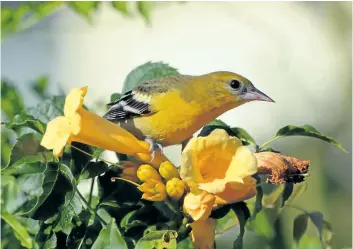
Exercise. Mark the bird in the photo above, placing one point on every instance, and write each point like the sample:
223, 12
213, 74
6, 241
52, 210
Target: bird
168, 110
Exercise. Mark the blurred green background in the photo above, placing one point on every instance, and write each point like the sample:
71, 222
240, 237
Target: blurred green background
298, 53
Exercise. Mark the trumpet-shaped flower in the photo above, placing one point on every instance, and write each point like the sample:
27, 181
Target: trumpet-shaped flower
168, 170
175, 188
147, 172
199, 205
153, 190
83, 126
220, 165
203, 233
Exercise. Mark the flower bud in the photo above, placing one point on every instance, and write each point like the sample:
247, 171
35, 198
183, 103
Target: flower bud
153, 190
175, 188
129, 171
168, 171
146, 172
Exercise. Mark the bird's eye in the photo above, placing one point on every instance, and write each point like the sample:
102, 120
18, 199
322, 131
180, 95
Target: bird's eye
234, 84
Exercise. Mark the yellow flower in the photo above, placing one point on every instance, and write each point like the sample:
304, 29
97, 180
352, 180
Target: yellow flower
168, 170
199, 205
175, 188
220, 165
129, 171
153, 190
203, 233
147, 172
83, 126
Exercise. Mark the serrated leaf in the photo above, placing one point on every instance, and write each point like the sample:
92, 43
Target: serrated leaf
24, 120
145, 8
308, 131
299, 227
84, 8
11, 100
158, 239
48, 109
110, 237
288, 190
19, 230
147, 71
244, 136
121, 6
26, 145
243, 214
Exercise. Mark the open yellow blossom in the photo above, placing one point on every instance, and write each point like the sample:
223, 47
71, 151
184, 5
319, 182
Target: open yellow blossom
83, 126
129, 171
153, 190
175, 188
199, 205
220, 165
203, 233
168, 170
147, 172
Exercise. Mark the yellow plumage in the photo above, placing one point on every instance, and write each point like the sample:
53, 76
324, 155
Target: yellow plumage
169, 110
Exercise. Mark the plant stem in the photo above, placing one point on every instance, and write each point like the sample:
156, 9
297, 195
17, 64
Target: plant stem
268, 142
92, 211
91, 191
88, 154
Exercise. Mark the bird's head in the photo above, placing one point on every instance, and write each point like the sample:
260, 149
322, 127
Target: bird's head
236, 86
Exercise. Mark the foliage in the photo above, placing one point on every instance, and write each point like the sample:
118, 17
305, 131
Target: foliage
27, 14
42, 206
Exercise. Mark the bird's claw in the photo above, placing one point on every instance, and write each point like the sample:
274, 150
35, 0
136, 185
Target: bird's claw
153, 147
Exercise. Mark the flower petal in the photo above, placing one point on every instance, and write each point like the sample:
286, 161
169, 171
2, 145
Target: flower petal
74, 100
243, 164
57, 135
203, 233
199, 206
235, 191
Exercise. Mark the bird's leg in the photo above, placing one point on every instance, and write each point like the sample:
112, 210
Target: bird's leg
153, 147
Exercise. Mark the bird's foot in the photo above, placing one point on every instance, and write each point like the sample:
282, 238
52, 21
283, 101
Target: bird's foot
154, 146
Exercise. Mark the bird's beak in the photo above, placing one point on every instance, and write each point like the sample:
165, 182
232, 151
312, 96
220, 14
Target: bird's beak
256, 94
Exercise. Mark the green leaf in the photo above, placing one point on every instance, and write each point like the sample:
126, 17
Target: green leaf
147, 71
37, 187
110, 237
317, 219
19, 230
121, 6
25, 146
243, 214
9, 194
226, 222
71, 208
43, 9
31, 225
40, 85
158, 239
145, 8
262, 225
80, 157
47, 109
288, 190
84, 8
51, 243
300, 226
11, 100
305, 130
327, 234
213, 125
114, 97
24, 120
244, 136
185, 244
298, 190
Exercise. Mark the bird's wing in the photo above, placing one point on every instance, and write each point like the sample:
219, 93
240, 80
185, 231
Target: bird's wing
137, 102
131, 104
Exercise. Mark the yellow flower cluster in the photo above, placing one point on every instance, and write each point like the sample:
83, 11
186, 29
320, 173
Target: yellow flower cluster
215, 170
154, 188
